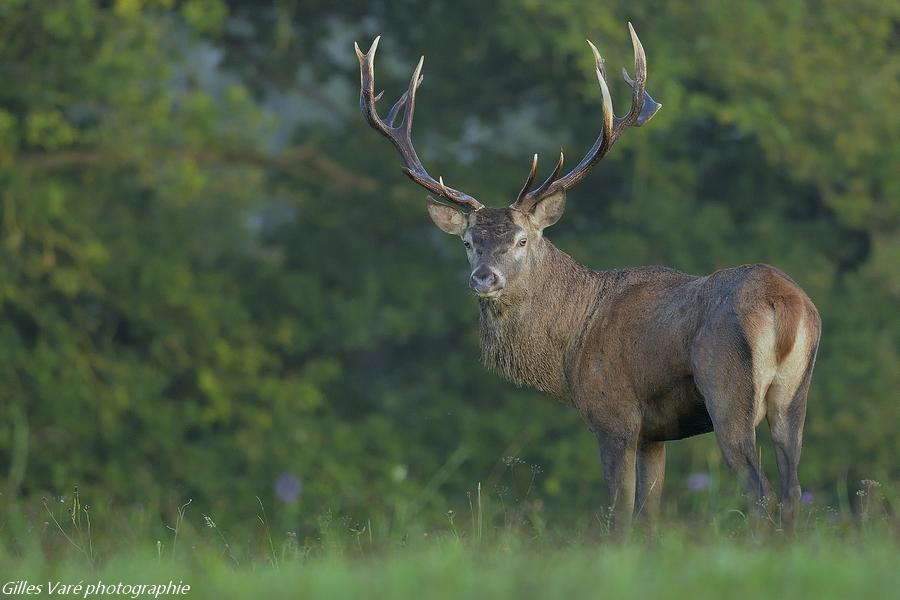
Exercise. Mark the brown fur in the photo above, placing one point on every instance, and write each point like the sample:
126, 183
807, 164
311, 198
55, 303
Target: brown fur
521, 343
650, 354
788, 308
789, 305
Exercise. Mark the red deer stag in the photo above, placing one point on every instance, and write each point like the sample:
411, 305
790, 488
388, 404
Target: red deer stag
647, 354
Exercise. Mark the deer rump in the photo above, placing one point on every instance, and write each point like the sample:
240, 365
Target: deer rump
668, 340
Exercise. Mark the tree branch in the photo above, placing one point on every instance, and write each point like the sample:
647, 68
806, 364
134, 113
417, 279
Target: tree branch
288, 161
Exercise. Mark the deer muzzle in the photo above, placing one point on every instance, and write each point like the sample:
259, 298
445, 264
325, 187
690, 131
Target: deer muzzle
486, 281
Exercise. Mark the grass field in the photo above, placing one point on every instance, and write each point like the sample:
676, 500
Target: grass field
676, 567
837, 555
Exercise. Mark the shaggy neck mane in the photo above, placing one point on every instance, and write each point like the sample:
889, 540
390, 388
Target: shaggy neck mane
528, 335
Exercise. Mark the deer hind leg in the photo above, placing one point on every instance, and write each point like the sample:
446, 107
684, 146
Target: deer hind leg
786, 413
737, 442
723, 372
786, 427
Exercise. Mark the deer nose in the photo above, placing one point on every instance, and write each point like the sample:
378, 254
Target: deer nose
485, 280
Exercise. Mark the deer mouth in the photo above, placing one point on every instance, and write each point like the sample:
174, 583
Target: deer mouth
488, 295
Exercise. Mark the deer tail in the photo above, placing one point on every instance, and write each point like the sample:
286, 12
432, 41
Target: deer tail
788, 313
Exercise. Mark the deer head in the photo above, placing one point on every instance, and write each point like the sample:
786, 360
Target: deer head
503, 245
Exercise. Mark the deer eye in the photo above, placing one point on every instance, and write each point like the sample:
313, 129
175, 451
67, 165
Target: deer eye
467, 243
522, 242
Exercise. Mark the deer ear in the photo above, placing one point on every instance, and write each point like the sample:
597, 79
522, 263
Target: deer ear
549, 209
446, 217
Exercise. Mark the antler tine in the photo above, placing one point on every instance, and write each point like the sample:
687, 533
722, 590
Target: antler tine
643, 107
550, 178
525, 198
529, 180
401, 135
392, 114
406, 121
367, 97
637, 84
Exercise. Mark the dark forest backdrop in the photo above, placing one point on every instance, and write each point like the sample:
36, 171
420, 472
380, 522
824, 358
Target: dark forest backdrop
216, 283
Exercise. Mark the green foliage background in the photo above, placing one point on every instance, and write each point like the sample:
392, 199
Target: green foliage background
214, 272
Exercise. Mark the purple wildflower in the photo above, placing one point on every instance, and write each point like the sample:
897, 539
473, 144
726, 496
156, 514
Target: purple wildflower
697, 482
807, 497
287, 488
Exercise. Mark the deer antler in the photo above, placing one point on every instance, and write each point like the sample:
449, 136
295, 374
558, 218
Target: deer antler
643, 107
400, 135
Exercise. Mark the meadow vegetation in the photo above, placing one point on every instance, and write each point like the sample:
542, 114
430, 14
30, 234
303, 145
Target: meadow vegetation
493, 550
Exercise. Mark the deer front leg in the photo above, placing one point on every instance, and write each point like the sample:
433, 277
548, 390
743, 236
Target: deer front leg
618, 454
651, 470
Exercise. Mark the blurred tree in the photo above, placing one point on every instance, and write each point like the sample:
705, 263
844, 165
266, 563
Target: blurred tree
214, 272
